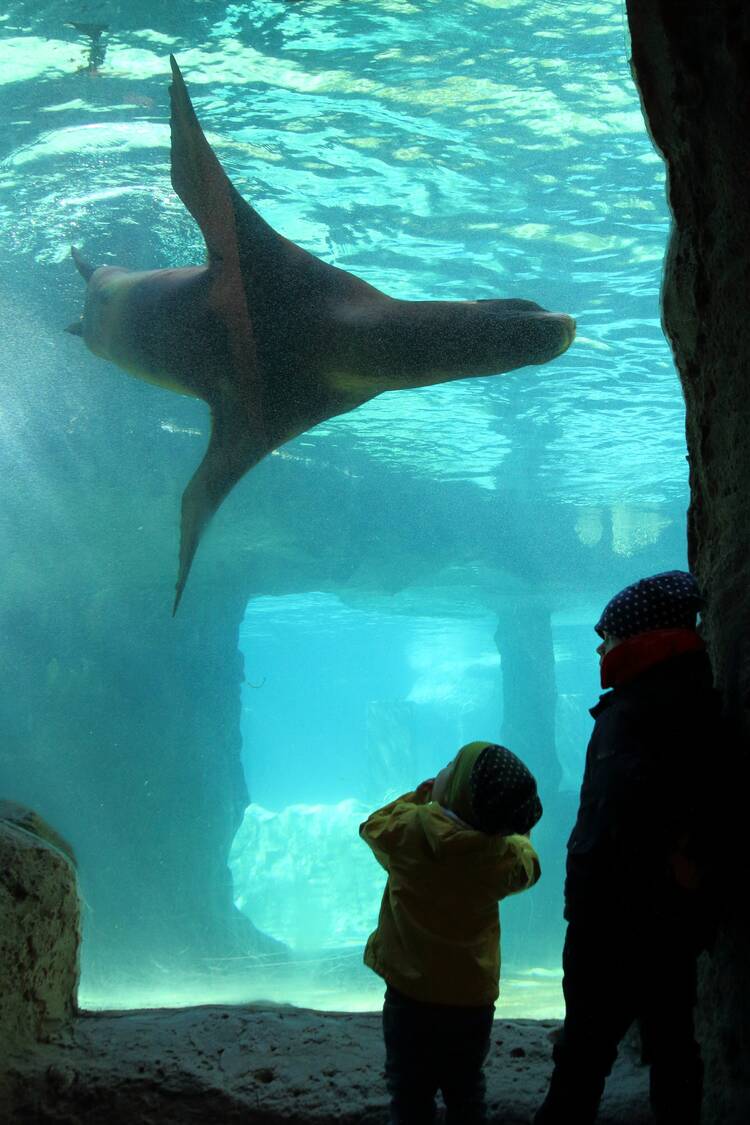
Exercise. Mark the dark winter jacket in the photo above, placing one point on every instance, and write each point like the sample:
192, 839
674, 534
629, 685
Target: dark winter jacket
649, 792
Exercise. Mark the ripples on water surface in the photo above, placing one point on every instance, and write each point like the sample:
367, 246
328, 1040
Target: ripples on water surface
437, 149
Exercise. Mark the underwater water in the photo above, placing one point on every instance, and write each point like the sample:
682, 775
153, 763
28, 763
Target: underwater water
421, 572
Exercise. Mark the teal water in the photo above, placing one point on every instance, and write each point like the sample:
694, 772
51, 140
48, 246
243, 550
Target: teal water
438, 150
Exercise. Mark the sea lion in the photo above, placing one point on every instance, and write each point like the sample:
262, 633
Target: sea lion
275, 340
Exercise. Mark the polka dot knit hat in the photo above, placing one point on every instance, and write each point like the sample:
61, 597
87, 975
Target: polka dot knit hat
503, 793
670, 600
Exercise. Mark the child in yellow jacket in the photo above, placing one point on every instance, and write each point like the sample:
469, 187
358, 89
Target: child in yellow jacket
452, 850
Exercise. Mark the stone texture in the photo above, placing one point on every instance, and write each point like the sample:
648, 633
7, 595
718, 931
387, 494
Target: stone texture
265, 1065
692, 65
40, 931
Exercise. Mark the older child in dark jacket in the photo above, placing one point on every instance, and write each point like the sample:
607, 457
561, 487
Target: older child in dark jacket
637, 908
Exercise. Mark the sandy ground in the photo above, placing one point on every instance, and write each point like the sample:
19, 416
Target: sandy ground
528, 994
263, 1064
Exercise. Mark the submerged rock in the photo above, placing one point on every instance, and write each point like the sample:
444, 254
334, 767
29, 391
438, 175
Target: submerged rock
304, 877
39, 928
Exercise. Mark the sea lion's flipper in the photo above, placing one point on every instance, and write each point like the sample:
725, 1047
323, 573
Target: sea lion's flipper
238, 437
225, 218
232, 451
205, 189
197, 176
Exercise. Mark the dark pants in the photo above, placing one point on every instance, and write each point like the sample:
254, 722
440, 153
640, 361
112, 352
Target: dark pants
431, 1047
609, 981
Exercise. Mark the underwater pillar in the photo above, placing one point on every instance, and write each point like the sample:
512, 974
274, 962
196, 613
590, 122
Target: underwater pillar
692, 65
527, 657
524, 641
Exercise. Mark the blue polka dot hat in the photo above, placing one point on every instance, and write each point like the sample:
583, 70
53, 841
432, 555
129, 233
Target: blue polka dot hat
503, 793
670, 600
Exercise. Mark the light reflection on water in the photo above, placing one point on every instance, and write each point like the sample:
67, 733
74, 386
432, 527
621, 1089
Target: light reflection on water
439, 150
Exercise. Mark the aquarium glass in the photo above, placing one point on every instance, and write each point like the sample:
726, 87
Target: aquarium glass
419, 573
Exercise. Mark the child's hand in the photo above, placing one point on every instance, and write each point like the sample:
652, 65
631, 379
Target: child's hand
424, 791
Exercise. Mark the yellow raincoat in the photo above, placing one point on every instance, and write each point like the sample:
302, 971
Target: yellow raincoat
438, 935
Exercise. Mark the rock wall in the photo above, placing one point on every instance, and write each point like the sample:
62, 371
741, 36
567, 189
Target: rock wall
127, 738
692, 65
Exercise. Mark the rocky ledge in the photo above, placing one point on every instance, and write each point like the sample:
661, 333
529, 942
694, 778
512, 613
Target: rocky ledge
263, 1064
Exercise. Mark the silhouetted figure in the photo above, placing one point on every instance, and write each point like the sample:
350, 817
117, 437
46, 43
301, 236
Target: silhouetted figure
637, 899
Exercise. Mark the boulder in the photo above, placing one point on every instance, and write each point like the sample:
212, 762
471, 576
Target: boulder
39, 929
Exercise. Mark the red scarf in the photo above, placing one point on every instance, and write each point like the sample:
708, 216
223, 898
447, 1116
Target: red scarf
637, 654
